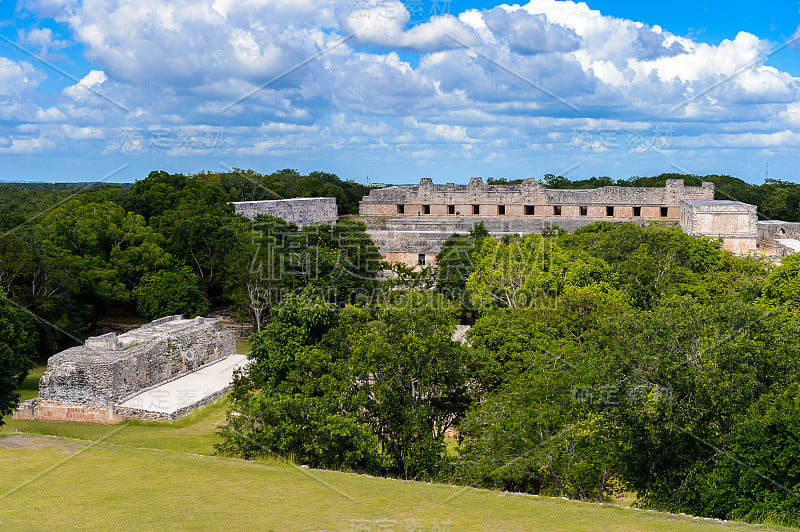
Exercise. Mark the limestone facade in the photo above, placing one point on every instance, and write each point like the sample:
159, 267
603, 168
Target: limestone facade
532, 200
420, 218
299, 211
417, 240
733, 221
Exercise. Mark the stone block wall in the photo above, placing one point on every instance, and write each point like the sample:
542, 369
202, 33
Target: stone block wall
412, 240
94, 375
733, 221
776, 229
55, 411
778, 239
531, 199
300, 211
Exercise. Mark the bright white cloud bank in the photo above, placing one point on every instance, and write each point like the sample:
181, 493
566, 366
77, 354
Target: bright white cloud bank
285, 78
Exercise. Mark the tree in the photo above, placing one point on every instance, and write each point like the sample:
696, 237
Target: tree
248, 185
165, 293
16, 348
517, 273
542, 424
533, 437
198, 223
656, 262
411, 379
456, 262
369, 389
757, 477
404, 277
339, 261
105, 248
686, 370
292, 400
260, 276
782, 285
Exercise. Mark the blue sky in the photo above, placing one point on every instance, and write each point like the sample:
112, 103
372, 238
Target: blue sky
394, 91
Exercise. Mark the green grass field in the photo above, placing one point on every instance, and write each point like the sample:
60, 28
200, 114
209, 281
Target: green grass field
30, 386
68, 476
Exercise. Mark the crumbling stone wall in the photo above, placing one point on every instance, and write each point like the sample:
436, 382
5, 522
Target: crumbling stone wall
300, 211
777, 238
777, 230
108, 368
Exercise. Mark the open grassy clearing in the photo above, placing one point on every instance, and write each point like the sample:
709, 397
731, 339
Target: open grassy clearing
149, 476
59, 484
97, 476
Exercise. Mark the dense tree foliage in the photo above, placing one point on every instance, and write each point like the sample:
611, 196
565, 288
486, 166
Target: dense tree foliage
412, 379
655, 262
248, 185
455, 262
170, 292
530, 271
672, 373
782, 285
532, 431
706, 363
337, 260
371, 389
756, 478
295, 400
70, 253
16, 349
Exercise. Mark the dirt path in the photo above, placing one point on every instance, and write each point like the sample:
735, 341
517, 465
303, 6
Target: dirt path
20, 441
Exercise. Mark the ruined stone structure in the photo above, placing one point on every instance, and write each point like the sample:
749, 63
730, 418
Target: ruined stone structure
777, 238
300, 211
733, 221
418, 219
88, 382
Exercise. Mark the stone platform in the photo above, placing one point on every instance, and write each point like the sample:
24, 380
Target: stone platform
177, 397
89, 383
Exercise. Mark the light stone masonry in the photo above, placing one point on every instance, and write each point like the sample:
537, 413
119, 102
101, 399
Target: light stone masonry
531, 199
733, 221
299, 211
85, 383
416, 220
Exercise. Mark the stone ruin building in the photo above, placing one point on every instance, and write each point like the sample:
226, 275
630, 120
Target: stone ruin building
299, 211
100, 381
733, 221
410, 224
778, 239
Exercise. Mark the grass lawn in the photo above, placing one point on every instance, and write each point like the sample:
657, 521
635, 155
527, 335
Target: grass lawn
191, 434
30, 386
159, 476
48, 484
242, 346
